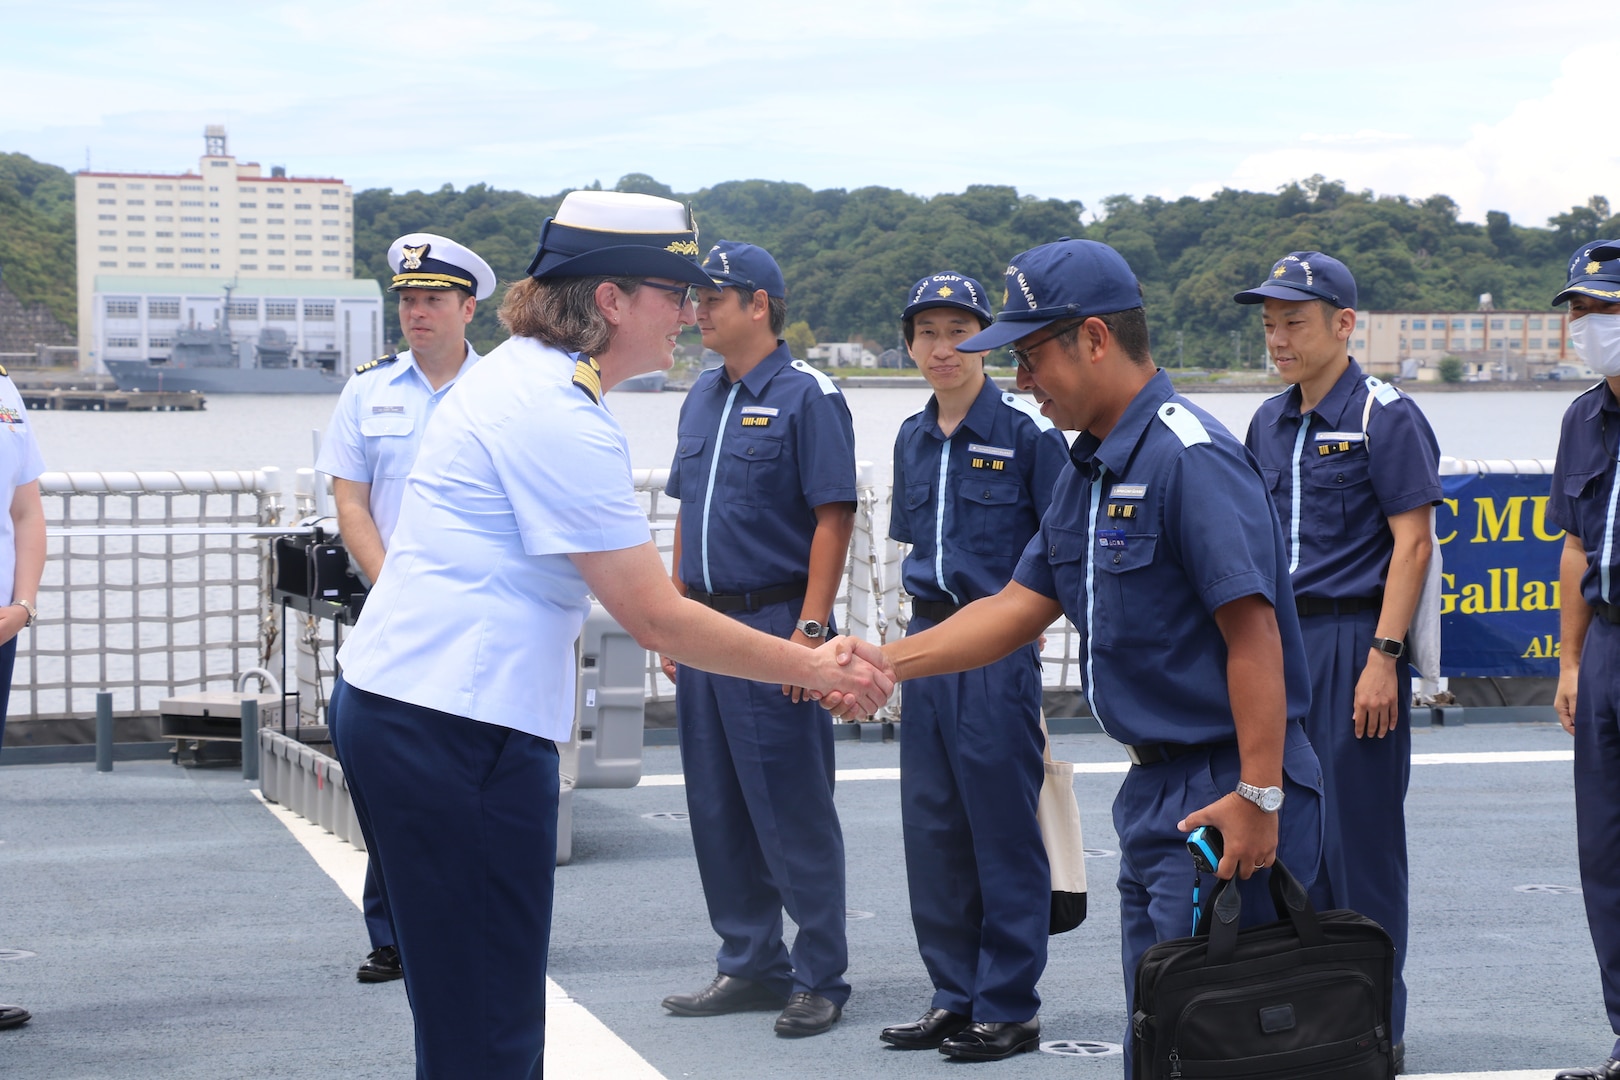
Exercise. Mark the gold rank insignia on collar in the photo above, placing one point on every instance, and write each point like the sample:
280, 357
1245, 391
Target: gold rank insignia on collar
377, 363
1122, 510
588, 377
993, 464
1324, 449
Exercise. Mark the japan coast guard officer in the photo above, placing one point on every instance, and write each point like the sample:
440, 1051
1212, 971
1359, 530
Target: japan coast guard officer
765, 472
1585, 501
460, 673
1354, 471
1191, 649
376, 428
973, 473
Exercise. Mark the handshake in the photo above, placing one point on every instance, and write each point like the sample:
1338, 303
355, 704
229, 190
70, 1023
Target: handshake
858, 677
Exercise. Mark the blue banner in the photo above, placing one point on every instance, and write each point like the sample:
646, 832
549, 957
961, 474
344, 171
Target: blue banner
1499, 606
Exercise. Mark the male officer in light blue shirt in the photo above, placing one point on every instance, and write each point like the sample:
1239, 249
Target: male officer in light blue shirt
1585, 501
376, 428
1353, 468
973, 473
765, 472
1162, 546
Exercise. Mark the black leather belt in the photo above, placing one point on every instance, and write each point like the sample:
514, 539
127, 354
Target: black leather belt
1322, 605
1609, 613
934, 610
1159, 753
749, 601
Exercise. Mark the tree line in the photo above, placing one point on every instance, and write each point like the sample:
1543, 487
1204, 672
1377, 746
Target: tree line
850, 255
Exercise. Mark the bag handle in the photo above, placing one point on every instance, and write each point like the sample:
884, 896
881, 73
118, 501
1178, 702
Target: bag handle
1287, 897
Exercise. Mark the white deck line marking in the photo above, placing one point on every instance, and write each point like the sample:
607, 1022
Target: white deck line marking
1498, 757
578, 1045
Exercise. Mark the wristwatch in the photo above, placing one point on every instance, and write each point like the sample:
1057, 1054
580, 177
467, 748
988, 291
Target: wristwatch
812, 629
1269, 799
33, 612
1389, 646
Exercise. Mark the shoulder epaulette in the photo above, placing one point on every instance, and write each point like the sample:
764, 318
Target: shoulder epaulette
1180, 419
827, 385
1028, 408
4, 372
588, 377
377, 363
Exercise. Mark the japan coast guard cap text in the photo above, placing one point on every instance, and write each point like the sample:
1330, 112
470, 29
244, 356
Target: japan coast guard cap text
1305, 275
1066, 279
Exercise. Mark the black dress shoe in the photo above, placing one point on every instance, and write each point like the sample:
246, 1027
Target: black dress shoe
727, 994
935, 1027
14, 1016
992, 1042
1399, 1054
382, 965
1609, 1070
807, 1014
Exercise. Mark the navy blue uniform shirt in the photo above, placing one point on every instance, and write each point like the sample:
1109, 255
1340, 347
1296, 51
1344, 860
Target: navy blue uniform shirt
969, 503
1585, 492
1152, 530
1336, 486
753, 460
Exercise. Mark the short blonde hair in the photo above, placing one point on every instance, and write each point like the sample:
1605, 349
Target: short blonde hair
561, 311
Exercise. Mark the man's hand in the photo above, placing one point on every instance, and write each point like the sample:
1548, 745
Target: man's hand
13, 618
799, 693
1564, 700
1249, 832
851, 651
1376, 711
668, 665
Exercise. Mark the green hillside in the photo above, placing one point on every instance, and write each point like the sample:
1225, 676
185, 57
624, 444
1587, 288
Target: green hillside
849, 256
36, 221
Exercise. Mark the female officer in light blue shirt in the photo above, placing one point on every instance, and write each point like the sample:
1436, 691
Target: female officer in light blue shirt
460, 674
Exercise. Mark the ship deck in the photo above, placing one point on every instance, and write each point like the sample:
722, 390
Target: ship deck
163, 921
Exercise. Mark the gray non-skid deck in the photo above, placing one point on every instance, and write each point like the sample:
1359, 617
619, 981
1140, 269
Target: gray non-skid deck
180, 930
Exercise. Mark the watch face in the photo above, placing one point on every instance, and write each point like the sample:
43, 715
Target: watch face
1271, 800
811, 628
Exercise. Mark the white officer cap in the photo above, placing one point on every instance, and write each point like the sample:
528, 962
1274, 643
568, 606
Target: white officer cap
428, 261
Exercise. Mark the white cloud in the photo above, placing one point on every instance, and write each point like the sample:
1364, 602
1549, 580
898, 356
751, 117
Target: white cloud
1540, 159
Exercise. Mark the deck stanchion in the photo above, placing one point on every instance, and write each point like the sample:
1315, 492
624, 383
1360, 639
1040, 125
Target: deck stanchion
250, 739
104, 732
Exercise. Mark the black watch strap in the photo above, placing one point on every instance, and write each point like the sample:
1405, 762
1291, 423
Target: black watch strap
1390, 646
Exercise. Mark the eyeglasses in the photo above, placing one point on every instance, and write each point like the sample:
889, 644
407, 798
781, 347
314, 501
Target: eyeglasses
1021, 356
687, 293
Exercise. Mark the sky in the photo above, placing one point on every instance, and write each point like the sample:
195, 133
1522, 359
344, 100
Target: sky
1485, 101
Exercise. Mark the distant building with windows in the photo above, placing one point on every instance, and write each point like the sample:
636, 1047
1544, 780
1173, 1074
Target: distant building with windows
336, 324
842, 354
224, 220
1492, 345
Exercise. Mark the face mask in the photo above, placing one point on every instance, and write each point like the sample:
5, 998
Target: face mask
1596, 339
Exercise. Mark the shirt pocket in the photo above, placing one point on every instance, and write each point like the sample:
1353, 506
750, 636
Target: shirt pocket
761, 471
688, 462
911, 515
1129, 608
1066, 552
1340, 497
988, 512
393, 438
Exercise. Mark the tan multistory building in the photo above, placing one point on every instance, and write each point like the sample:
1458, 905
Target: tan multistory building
1491, 345
223, 220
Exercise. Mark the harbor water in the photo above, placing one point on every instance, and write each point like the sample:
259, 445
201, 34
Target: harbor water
251, 431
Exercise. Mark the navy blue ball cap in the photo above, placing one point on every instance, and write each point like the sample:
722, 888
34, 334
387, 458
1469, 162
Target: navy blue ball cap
1594, 270
1066, 279
619, 234
949, 290
732, 265
1305, 275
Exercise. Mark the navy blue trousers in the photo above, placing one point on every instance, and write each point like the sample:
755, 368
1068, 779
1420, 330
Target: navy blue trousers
379, 925
981, 889
461, 822
8, 664
1155, 871
1364, 821
759, 791
1597, 802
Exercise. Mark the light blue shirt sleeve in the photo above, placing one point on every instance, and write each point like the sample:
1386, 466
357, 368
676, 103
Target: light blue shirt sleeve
343, 450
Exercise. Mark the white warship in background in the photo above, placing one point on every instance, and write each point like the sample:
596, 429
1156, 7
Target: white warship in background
209, 361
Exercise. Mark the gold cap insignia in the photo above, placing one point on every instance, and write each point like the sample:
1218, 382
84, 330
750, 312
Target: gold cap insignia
1279, 272
1593, 267
683, 247
413, 256
944, 290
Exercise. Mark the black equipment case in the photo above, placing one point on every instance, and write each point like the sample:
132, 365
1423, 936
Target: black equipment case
1304, 998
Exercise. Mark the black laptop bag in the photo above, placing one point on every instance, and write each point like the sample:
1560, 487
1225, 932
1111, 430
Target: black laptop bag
1304, 998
